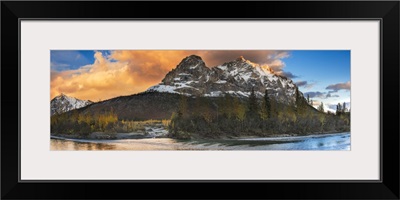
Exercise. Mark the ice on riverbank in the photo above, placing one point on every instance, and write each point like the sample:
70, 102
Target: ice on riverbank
294, 138
155, 131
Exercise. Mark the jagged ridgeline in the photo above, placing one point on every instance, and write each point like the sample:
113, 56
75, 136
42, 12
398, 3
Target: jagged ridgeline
237, 78
63, 103
233, 99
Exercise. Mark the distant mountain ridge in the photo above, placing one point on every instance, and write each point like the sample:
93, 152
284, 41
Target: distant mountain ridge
192, 77
63, 103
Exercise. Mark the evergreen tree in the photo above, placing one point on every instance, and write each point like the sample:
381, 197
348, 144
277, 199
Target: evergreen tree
226, 106
253, 107
344, 107
182, 109
321, 107
299, 102
265, 111
274, 108
267, 104
297, 96
308, 98
338, 109
235, 106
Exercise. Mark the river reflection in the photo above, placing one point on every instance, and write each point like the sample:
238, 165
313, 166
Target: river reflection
339, 141
59, 144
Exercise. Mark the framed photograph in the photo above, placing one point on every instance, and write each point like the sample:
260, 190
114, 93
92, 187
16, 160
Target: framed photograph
299, 96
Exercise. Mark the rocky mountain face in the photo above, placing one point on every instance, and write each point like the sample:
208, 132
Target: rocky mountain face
193, 78
63, 103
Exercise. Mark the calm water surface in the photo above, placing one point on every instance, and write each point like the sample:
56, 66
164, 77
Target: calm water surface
338, 141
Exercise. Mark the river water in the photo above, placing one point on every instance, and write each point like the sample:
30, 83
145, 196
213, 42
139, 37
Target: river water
337, 141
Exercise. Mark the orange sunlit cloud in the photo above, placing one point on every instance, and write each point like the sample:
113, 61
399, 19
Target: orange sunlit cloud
126, 72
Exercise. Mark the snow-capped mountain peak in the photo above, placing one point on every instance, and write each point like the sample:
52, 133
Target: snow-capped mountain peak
237, 77
241, 58
63, 103
191, 61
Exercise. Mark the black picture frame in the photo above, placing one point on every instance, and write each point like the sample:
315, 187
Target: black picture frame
386, 11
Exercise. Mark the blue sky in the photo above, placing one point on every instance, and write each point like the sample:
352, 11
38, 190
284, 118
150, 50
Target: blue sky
62, 60
321, 69
323, 74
